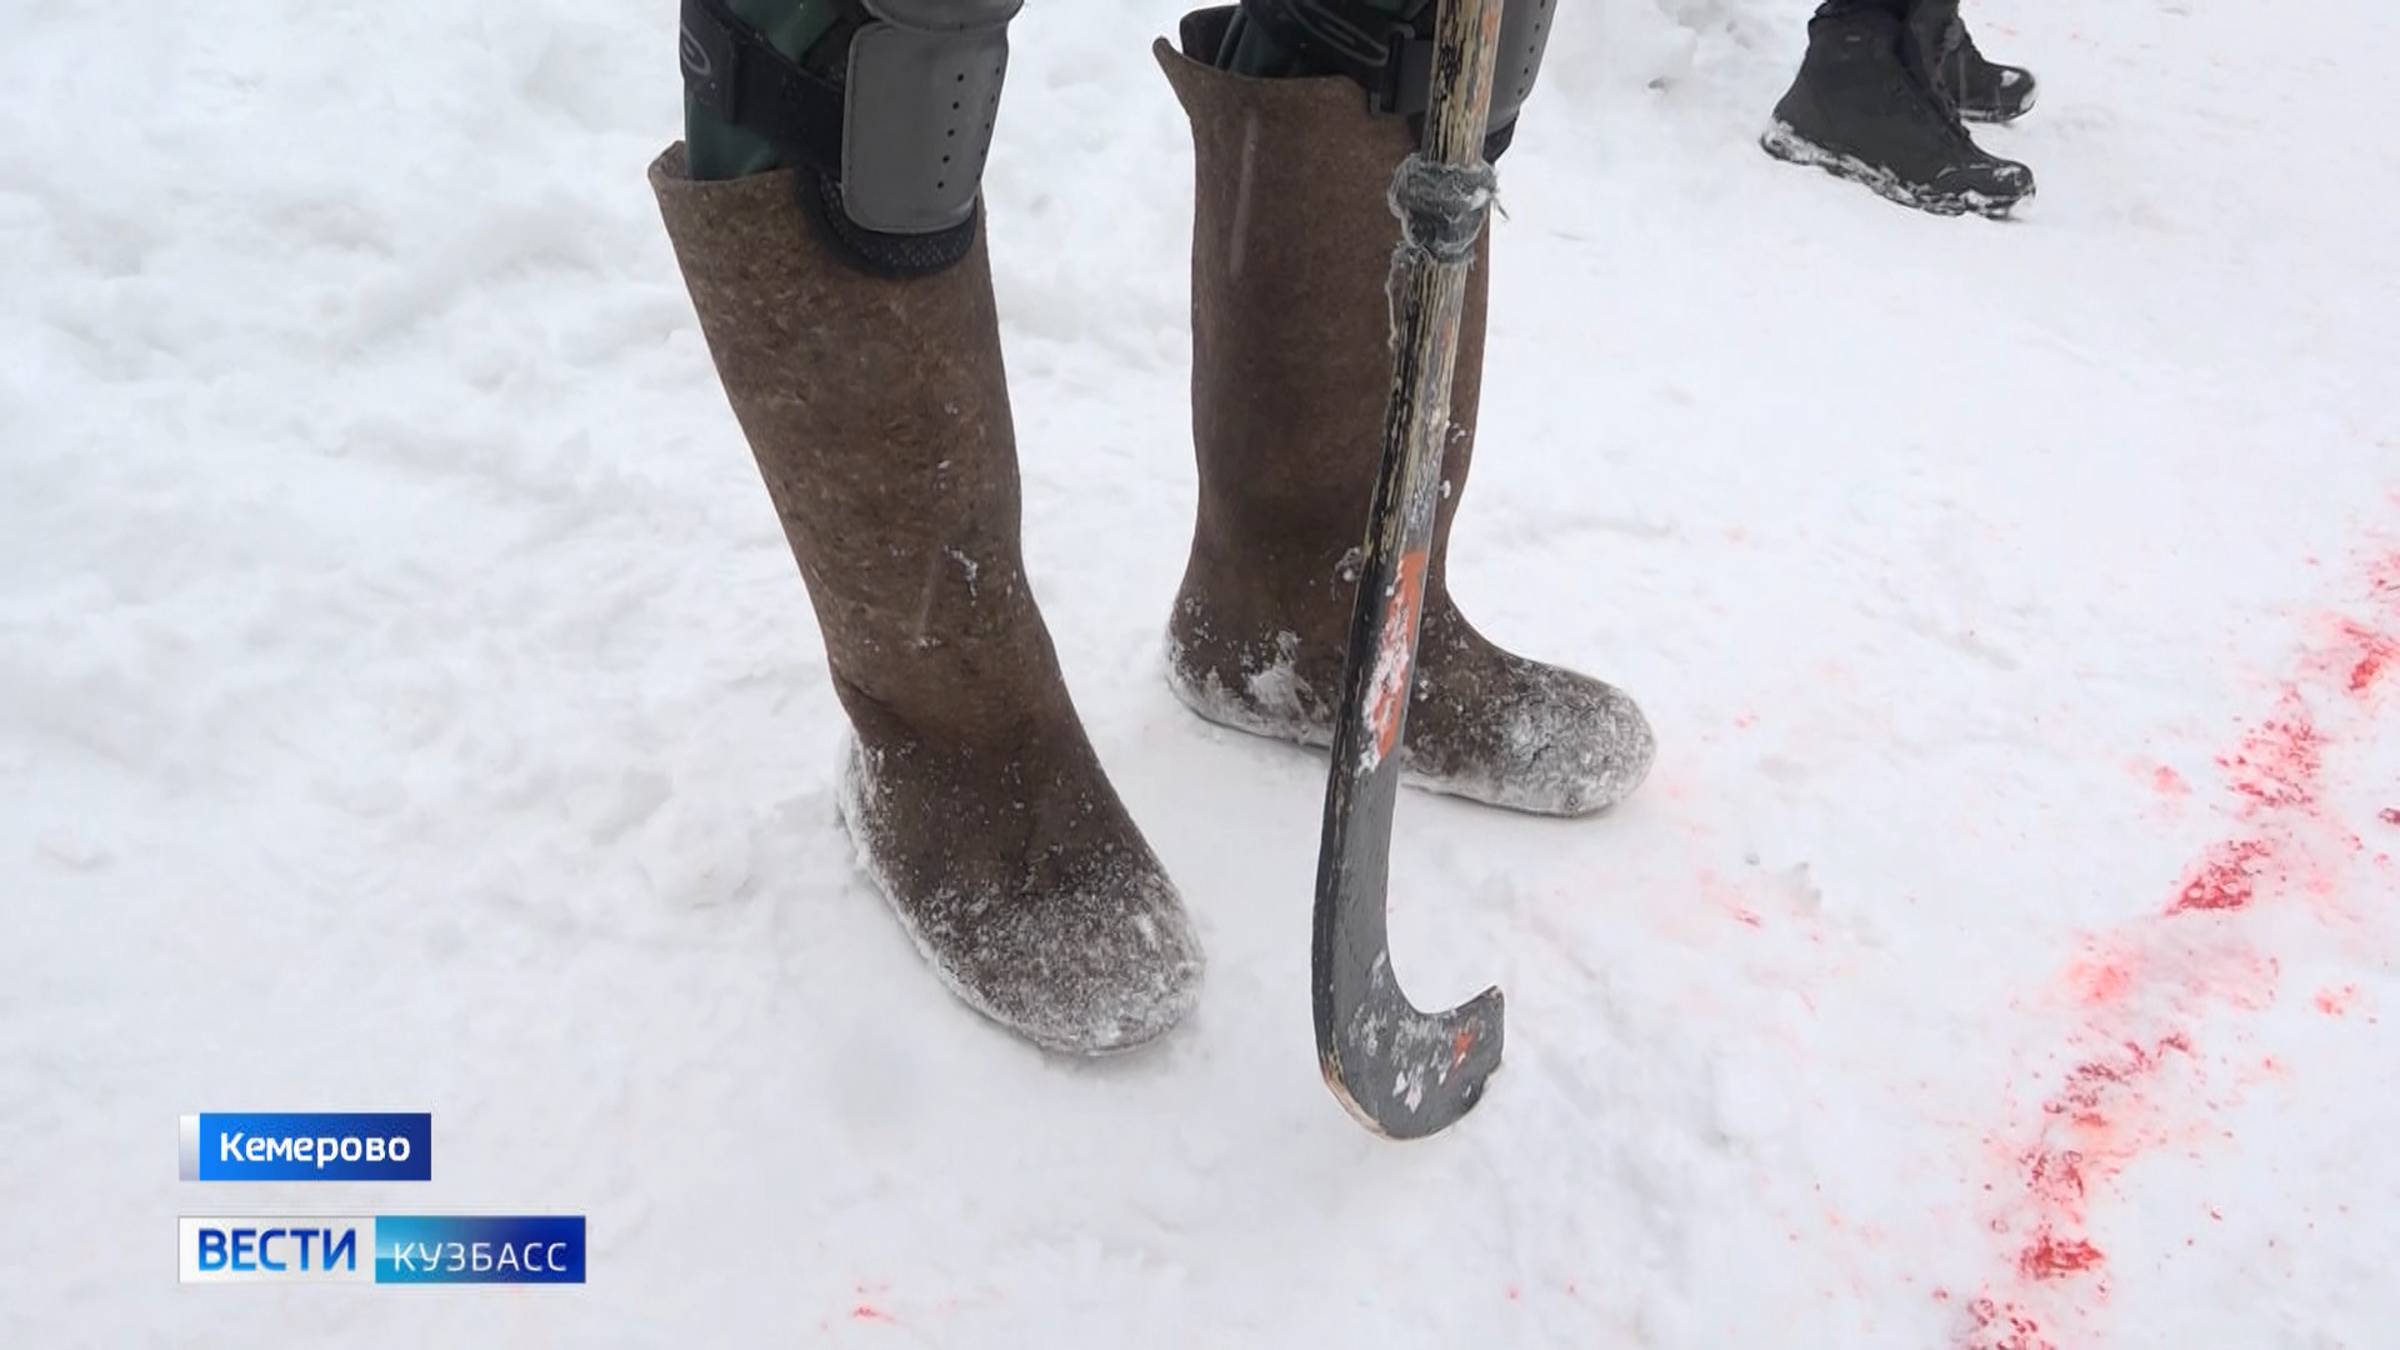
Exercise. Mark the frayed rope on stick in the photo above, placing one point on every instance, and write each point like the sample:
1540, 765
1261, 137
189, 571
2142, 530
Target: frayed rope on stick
1442, 207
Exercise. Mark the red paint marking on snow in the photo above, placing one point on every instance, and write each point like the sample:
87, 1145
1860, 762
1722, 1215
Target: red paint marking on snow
2056, 1177
2096, 1125
2104, 974
2227, 878
1514, 1293
1747, 915
2366, 652
2136, 1081
2377, 652
2054, 1258
2092, 1085
2004, 1326
2277, 763
1745, 720
868, 1312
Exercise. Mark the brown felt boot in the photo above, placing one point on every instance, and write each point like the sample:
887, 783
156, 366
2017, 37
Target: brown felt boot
1291, 369
878, 410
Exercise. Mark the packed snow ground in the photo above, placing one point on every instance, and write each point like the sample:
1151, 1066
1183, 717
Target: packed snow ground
406, 702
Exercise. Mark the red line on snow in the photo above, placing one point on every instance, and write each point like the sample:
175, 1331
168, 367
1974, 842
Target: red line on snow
2137, 985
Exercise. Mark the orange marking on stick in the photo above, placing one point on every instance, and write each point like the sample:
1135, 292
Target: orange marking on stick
1396, 652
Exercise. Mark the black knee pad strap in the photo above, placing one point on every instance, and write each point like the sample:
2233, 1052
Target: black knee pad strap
1392, 58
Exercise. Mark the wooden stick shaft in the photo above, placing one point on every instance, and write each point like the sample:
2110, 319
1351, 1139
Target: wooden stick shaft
1467, 34
1428, 309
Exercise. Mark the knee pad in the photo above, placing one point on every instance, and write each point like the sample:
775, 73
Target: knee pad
895, 144
1390, 54
924, 88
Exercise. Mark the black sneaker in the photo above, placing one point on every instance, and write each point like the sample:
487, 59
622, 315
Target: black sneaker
1981, 90
1866, 107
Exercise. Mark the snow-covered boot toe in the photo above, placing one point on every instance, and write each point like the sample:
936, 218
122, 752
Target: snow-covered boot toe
1483, 722
1038, 905
1867, 106
878, 412
1522, 734
1291, 371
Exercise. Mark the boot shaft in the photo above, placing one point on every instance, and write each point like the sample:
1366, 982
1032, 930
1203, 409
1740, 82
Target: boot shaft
878, 411
1291, 329
1291, 380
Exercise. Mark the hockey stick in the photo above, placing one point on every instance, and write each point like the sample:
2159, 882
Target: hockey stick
1402, 1072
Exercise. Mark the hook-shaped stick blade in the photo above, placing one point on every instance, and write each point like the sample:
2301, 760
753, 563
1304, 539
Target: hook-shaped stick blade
1404, 1073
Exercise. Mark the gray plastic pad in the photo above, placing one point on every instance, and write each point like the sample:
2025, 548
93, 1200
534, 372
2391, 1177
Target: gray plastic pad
924, 91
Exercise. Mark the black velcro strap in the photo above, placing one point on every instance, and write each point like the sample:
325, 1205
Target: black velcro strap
1383, 55
732, 70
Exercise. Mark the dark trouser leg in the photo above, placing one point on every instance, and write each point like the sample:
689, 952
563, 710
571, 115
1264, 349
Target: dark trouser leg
715, 148
1981, 90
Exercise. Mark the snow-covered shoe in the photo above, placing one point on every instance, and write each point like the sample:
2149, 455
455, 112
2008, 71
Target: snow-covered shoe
1291, 368
1866, 107
1981, 90
879, 414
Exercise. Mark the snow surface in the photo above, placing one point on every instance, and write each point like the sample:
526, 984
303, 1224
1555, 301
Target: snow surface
406, 702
